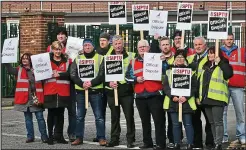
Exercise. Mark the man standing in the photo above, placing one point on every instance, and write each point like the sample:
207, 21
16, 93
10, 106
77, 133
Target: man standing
125, 99
236, 57
149, 100
177, 44
197, 61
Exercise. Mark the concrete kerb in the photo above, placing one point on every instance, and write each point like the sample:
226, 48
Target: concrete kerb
7, 102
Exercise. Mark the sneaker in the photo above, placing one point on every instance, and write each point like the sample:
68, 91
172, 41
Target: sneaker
242, 141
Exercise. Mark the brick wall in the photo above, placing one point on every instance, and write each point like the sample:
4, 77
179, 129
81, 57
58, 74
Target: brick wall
33, 30
103, 6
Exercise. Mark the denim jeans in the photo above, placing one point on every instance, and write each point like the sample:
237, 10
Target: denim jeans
41, 124
187, 121
72, 112
237, 96
97, 107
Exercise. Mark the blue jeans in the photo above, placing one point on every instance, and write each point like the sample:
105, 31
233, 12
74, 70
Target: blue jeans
41, 124
72, 112
97, 107
187, 121
237, 96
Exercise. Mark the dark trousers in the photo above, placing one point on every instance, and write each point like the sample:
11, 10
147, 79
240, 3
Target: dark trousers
146, 108
105, 102
170, 129
55, 118
126, 103
197, 125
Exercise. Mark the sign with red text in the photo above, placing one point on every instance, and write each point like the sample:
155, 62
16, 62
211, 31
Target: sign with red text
181, 81
152, 67
86, 69
217, 24
117, 12
10, 50
184, 16
41, 66
140, 16
158, 22
114, 69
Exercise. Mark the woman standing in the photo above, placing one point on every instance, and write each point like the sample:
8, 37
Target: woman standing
213, 92
57, 93
24, 102
171, 103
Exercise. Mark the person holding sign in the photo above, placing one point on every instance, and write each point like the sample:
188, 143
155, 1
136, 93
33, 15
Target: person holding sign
236, 57
213, 92
149, 99
26, 90
86, 75
171, 102
57, 93
177, 44
125, 97
196, 62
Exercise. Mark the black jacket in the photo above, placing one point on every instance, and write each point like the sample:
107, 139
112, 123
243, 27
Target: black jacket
103, 51
94, 82
174, 106
209, 69
55, 101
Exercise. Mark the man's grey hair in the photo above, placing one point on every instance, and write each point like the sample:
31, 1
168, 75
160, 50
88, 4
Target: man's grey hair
143, 43
200, 38
117, 37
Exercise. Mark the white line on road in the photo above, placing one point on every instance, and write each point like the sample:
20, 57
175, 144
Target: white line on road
86, 142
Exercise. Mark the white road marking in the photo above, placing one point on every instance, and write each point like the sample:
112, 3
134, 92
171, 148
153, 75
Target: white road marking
86, 142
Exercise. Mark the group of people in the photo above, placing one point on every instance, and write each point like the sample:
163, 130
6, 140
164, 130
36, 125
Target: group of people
215, 79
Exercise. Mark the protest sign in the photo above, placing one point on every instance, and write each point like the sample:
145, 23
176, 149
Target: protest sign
217, 24
158, 22
114, 68
41, 66
10, 50
181, 81
74, 45
140, 16
86, 69
117, 12
184, 16
152, 66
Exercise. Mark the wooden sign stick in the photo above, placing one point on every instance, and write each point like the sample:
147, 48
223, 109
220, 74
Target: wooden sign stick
216, 49
86, 99
115, 90
141, 35
180, 104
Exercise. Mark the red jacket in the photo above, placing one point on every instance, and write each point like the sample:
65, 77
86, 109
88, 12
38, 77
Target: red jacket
190, 51
148, 85
22, 87
49, 49
237, 60
56, 85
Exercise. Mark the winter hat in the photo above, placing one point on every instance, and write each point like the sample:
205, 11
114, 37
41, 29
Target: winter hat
105, 35
87, 40
177, 33
61, 30
180, 52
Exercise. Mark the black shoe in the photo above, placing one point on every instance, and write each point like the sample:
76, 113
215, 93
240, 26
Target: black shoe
217, 147
62, 141
145, 146
197, 147
95, 140
210, 146
29, 140
130, 145
170, 145
189, 147
50, 141
112, 144
176, 146
157, 147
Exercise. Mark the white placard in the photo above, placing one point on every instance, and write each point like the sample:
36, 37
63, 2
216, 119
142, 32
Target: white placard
181, 81
42, 66
74, 45
86, 69
217, 24
140, 16
184, 16
117, 12
10, 50
158, 22
114, 68
152, 69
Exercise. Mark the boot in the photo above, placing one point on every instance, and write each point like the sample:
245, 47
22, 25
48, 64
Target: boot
50, 140
61, 140
176, 146
217, 147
